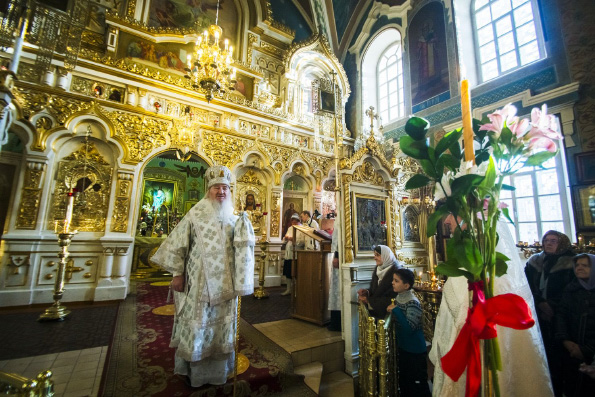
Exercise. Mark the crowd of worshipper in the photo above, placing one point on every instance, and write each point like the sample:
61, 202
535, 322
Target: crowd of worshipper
563, 288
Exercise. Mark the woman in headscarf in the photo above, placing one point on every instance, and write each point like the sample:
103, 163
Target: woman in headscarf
575, 327
380, 293
548, 273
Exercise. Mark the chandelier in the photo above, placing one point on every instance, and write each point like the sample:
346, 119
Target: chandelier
209, 66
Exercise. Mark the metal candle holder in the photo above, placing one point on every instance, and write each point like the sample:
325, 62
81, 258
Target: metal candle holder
57, 311
260, 293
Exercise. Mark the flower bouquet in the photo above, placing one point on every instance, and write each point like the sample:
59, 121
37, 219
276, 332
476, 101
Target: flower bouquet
470, 190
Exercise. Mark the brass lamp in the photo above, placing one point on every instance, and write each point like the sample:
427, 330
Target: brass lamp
209, 67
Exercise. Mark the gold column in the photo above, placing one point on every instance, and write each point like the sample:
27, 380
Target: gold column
394, 217
370, 351
260, 293
30, 196
382, 351
347, 211
275, 213
363, 357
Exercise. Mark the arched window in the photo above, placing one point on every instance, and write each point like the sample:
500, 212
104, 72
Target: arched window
508, 35
390, 84
382, 76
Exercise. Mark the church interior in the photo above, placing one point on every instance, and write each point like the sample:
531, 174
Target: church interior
112, 111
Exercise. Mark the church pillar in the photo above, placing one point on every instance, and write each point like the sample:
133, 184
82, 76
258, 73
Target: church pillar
63, 77
131, 97
105, 272
119, 271
114, 272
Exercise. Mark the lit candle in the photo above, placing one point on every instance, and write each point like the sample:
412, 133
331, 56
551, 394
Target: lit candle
226, 42
467, 121
56, 227
69, 209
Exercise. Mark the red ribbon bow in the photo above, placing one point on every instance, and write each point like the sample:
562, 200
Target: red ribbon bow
507, 310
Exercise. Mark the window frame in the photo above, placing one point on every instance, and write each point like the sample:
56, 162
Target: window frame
400, 89
539, 38
563, 193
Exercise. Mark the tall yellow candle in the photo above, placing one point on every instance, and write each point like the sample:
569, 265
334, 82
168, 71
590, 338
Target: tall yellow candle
467, 121
69, 209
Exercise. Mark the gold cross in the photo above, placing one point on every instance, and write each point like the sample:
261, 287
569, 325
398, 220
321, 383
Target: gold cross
372, 115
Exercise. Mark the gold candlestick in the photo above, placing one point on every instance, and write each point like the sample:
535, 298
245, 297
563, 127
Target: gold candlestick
57, 311
260, 293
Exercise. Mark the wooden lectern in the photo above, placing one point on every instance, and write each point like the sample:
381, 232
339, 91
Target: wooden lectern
310, 270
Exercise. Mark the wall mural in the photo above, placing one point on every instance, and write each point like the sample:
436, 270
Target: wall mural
195, 14
165, 55
429, 57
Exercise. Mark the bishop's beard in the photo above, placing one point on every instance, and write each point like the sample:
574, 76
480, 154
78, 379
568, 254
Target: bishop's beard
222, 211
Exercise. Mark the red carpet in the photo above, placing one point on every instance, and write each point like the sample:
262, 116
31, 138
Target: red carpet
141, 363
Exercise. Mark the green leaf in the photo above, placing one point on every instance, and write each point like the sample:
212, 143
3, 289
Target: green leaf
507, 215
451, 271
506, 136
434, 218
449, 161
417, 181
416, 128
428, 168
416, 149
462, 253
501, 264
508, 187
448, 140
432, 154
455, 150
490, 176
481, 156
479, 135
539, 158
463, 185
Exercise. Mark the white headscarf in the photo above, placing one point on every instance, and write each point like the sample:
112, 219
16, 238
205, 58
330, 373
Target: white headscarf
388, 259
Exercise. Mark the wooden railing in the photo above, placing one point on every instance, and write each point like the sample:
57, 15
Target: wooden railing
16, 385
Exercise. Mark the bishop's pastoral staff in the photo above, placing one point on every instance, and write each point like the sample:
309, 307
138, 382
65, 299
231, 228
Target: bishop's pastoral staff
211, 256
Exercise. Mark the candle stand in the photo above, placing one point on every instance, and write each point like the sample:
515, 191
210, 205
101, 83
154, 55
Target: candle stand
57, 311
260, 293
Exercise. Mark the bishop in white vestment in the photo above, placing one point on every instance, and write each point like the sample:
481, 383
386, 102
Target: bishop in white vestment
211, 256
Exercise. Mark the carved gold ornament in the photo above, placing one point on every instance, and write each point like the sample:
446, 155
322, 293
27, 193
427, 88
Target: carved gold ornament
87, 171
366, 173
122, 203
139, 135
224, 150
30, 196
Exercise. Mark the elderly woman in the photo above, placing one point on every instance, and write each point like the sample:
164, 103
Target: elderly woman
548, 273
378, 297
575, 327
